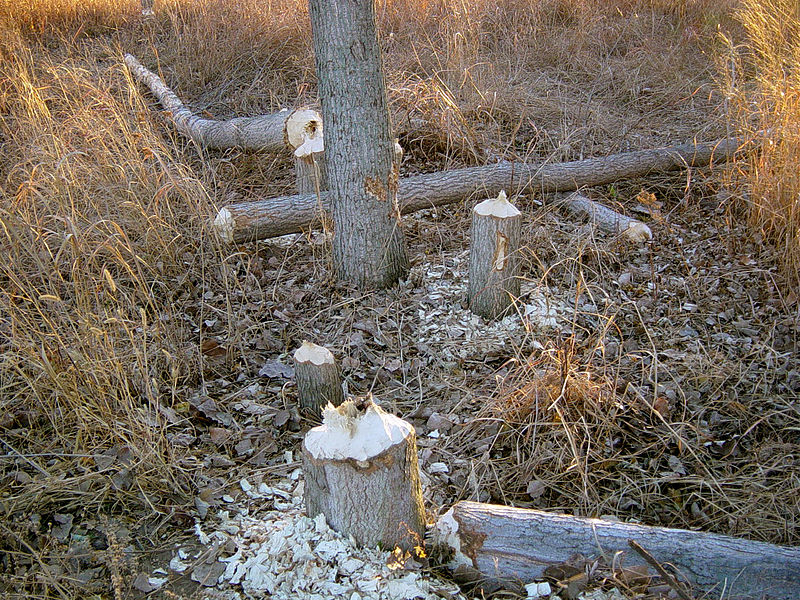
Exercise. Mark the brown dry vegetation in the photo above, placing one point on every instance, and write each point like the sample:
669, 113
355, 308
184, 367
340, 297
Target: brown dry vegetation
131, 340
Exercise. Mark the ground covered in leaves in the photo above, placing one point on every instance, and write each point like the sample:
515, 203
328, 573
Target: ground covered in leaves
150, 428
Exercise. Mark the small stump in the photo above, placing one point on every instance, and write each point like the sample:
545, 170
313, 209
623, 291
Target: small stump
318, 381
361, 472
494, 257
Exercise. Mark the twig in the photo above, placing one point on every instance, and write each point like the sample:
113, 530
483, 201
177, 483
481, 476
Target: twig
23, 457
671, 581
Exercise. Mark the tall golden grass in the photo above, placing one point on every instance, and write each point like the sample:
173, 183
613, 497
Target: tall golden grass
763, 77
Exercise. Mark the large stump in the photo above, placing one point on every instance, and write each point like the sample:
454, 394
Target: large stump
494, 257
361, 472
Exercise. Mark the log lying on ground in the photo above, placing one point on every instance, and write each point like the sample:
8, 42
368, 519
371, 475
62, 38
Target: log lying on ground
248, 221
513, 543
361, 472
606, 219
275, 132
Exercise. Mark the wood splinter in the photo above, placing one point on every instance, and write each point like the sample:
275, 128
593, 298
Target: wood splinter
318, 380
361, 472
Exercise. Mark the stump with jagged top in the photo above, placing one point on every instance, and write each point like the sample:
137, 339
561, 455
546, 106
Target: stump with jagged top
361, 472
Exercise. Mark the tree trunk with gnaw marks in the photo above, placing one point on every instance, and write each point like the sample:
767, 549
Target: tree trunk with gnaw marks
274, 132
248, 221
368, 246
494, 257
361, 472
318, 380
514, 543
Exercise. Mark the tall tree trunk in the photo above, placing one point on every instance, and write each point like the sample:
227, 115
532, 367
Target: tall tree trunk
368, 246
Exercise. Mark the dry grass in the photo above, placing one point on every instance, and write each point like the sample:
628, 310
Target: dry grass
110, 276
764, 87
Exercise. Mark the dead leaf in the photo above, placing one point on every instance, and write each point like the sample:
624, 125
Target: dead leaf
212, 348
219, 435
207, 574
535, 488
274, 369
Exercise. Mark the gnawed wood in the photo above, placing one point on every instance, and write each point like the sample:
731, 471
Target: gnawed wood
607, 219
248, 221
494, 257
265, 132
318, 379
361, 472
513, 543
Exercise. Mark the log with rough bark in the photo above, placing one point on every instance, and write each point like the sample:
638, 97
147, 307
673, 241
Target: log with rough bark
318, 380
248, 221
494, 257
608, 220
361, 472
274, 132
513, 543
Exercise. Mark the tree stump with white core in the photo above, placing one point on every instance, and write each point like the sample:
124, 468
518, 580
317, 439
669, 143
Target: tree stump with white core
607, 219
307, 140
494, 257
361, 472
318, 380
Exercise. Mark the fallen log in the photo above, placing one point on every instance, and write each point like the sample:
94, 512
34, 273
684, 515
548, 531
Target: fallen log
284, 130
607, 219
513, 543
261, 219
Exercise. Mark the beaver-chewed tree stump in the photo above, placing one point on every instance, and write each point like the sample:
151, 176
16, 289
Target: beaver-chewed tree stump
308, 142
361, 472
318, 379
494, 257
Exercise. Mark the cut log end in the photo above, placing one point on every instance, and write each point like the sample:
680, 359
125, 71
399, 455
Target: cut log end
225, 225
303, 126
637, 233
313, 353
499, 207
347, 434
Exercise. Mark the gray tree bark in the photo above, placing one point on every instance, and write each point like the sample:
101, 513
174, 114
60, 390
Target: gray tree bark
361, 472
504, 542
248, 221
273, 132
494, 257
368, 246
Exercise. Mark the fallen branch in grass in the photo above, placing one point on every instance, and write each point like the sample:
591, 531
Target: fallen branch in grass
607, 219
261, 219
513, 543
274, 132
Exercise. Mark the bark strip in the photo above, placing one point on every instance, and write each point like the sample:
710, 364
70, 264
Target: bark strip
262, 219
